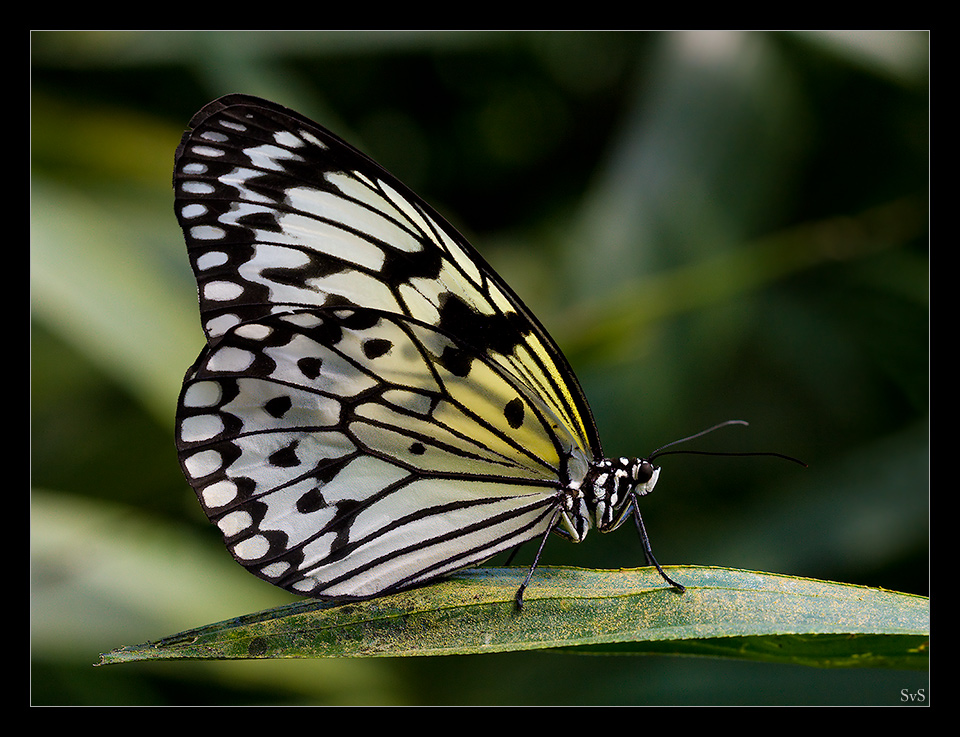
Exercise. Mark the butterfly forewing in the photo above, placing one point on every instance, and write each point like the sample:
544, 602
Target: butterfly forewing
349, 452
280, 214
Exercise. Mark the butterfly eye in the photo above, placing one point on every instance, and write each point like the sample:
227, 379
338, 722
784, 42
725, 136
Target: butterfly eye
647, 475
645, 471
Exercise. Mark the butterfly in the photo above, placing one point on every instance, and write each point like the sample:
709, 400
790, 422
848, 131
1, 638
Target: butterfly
374, 407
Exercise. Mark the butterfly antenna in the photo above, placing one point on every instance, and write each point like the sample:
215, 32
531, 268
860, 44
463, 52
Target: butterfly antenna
696, 435
662, 450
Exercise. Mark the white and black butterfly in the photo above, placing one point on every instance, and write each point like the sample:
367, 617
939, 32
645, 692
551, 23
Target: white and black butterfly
374, 407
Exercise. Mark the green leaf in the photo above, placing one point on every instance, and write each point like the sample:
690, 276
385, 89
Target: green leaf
724, 613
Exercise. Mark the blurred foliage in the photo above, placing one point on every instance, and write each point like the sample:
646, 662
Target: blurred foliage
713, 225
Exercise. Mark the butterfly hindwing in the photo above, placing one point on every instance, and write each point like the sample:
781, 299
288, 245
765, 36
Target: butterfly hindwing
344, 453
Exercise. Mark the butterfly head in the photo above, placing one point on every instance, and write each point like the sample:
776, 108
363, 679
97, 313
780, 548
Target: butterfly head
612, 483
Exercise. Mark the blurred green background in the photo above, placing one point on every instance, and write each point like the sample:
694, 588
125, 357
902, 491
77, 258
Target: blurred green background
713, 225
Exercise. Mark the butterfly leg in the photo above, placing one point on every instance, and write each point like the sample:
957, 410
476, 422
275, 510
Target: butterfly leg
518, 597
647, 551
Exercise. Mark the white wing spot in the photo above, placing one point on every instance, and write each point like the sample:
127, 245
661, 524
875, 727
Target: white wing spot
252, 548
193, 210
203, 463
208, 151
230, 360
200, 428
210, 259
275, 570
207, 233
310, 138
254, 331
304, 320
231, 524
222, 291
202, 394
286, 138
220, 324
219, 493
198, 188
268, 156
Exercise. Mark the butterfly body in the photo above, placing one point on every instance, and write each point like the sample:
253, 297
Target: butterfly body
374, 407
